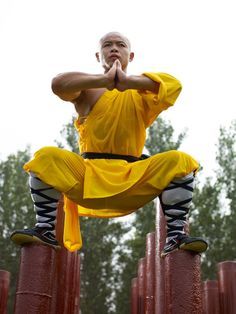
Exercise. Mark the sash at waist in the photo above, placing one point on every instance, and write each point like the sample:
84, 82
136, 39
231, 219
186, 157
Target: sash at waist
129, 158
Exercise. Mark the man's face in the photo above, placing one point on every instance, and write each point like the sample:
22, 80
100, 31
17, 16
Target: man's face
114, 46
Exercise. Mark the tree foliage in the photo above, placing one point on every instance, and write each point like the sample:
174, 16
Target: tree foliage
161, 137
101, 237
214, 213
69, 137
15, 212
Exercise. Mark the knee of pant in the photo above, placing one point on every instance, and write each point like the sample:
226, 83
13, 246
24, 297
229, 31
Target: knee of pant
173, 156
48, 153
177, 155
185, 161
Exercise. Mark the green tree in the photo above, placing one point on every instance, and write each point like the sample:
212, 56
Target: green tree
69, 137
214, 211
206, 220
101, 237
15, 212
226, 174
160, 139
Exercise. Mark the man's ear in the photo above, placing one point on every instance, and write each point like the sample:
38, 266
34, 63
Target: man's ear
97, 56
131, 56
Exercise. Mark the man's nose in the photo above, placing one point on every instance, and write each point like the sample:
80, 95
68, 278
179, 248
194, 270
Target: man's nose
114, 48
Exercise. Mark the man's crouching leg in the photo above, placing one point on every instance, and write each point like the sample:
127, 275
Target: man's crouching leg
175, 201
45, 199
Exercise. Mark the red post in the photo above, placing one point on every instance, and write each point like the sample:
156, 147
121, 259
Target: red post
73, 282
159, 262
177, 277
183, 283
62, 283
210, 297
60, 222
77, 292
68, 270
141, 284
48, 280
134, 296
36, 277
227, 287
69, 286
4, 287
150, 273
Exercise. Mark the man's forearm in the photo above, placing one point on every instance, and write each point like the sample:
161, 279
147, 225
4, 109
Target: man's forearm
69, 85
141, 82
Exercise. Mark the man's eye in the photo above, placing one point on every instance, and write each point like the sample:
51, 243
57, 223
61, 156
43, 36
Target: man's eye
106, 45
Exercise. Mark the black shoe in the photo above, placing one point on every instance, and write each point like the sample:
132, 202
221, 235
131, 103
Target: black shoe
35, 235
170, 247
195, 244
184, 242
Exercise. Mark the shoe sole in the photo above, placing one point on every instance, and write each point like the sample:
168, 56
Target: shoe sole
195, 246
164, 254
22, 239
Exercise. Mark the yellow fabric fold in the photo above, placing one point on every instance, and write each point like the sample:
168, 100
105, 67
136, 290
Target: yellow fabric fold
72, 236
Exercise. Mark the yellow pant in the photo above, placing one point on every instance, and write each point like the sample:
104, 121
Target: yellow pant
141, 182
65, 170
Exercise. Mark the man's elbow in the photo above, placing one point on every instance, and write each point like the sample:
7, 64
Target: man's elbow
58, 89
56, 86
178, 88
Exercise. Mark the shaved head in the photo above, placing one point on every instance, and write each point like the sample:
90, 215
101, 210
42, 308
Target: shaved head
113, 46
122, 37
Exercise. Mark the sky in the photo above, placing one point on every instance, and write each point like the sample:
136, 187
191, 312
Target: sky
191, 40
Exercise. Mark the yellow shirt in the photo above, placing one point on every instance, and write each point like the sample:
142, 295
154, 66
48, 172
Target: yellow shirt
117, 124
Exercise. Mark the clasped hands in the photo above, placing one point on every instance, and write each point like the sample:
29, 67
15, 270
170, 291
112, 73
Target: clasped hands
117, 78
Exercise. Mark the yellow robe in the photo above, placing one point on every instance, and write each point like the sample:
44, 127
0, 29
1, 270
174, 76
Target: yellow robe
112, 188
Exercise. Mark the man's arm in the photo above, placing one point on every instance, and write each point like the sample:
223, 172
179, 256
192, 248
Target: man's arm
139, 82
68, 86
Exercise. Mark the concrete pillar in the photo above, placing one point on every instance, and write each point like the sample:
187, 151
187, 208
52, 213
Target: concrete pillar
227, 287
4, 288
150, 273
210, 297
36, 278
141, 284
159, 262
183, 283
77, 292
134, 296
68, 273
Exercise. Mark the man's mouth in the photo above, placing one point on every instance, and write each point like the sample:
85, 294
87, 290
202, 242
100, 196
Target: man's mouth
113, 56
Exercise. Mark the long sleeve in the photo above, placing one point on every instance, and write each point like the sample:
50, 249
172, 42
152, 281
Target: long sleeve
153, 104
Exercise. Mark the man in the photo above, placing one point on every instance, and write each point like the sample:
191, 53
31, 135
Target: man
110, 178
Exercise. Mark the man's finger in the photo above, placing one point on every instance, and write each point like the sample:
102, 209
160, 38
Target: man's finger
118, 64
113, 65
